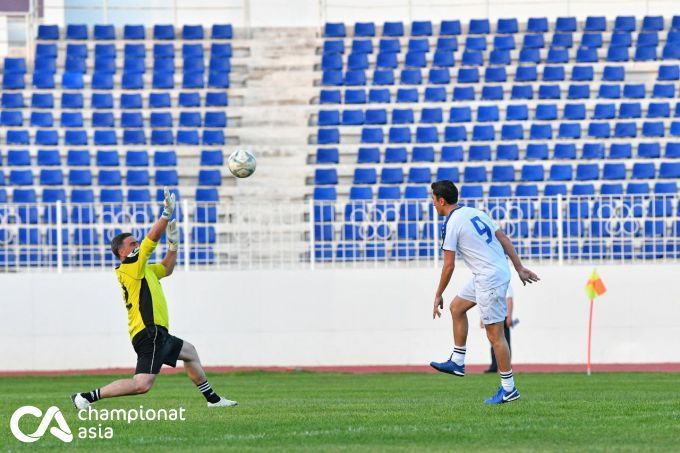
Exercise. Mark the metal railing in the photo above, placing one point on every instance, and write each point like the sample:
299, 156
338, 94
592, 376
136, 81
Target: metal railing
318, 234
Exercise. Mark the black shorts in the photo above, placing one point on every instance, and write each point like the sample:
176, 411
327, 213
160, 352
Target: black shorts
154, 347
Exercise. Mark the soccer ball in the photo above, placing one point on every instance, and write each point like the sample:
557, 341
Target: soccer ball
242, 163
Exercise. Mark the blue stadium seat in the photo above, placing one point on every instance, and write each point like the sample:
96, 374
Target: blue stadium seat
645, 150
663, 90
574, 112
532, 172
507, 152
587, 172
614, 171
390, 175
669, 170
537, 25
451, 154
625, 129
565, 24
399, 135
47, 157
136, 137
450, 27
487, 113
393, 29
546, 112
395, 155
455, 133
426, 134
595, 23
76, 158
522, 92
652, 23
593, 151
471, 191
643, 170
474, 174
565, 151
495, 74
48, 32
368, 155
463, 93
443, 58
479, 153
17, 137
358, 96
620, 151
516, 112
553, 73
460, 115
472, 58
583, 189
540, 132
479, 27
503, 173
76, 32
604, 111
41, 119
562, 41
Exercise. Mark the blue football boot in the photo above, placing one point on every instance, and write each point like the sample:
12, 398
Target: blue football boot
449, 367
502, 396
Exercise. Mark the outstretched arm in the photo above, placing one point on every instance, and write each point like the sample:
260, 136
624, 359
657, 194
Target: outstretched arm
524, 274
444, 279
161, 224
172, 235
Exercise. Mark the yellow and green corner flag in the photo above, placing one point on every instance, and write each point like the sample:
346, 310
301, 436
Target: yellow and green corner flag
595, 286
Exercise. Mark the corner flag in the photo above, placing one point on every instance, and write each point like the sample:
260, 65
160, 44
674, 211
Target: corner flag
595, 286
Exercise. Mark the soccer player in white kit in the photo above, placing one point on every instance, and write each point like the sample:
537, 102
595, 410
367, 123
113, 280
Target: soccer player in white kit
472, 235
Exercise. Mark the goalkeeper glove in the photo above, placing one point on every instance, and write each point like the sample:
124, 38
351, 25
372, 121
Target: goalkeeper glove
172, 234
168, 204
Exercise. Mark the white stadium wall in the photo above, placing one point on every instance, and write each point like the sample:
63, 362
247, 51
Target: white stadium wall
310, 13
76, 320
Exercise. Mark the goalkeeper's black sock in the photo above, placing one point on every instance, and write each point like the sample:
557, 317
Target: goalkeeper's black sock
92, 396
208, 392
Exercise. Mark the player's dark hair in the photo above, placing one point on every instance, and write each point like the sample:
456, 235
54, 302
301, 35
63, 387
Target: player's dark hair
446, 190
117, 242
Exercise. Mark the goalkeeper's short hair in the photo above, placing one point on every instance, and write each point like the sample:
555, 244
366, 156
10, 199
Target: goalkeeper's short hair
117, 242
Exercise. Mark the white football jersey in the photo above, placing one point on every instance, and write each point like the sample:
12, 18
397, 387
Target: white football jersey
470, 233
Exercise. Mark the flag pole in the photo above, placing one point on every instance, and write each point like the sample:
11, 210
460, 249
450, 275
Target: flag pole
590, 334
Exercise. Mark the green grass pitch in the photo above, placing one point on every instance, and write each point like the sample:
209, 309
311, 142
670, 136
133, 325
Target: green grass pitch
372, 412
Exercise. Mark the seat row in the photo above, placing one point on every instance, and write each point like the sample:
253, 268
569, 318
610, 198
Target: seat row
109, 177
492, 113
101, 32
487, 132
105, 158
464, 93
127, 81
203, 234
447, 58
609, 171
105, 101
503, 26
473, 191
505, 151
48, 53
500, 42
41, 118
107, 65
106, 137
80, 195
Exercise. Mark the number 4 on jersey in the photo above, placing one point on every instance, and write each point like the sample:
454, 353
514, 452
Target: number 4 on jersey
482, 228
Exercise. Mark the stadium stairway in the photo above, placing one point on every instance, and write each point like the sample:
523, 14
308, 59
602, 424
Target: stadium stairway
272, 88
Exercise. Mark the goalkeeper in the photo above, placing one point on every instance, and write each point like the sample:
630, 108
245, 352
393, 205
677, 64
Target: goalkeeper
148, 315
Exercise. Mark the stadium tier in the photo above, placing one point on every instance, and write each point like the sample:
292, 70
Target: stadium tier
105, 115
519, 114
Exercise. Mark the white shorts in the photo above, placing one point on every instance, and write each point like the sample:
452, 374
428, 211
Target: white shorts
492, 303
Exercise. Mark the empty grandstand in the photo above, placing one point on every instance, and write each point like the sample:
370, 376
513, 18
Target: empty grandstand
567, 131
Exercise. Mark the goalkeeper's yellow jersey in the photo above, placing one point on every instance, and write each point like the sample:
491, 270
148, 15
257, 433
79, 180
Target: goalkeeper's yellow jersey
142, 292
